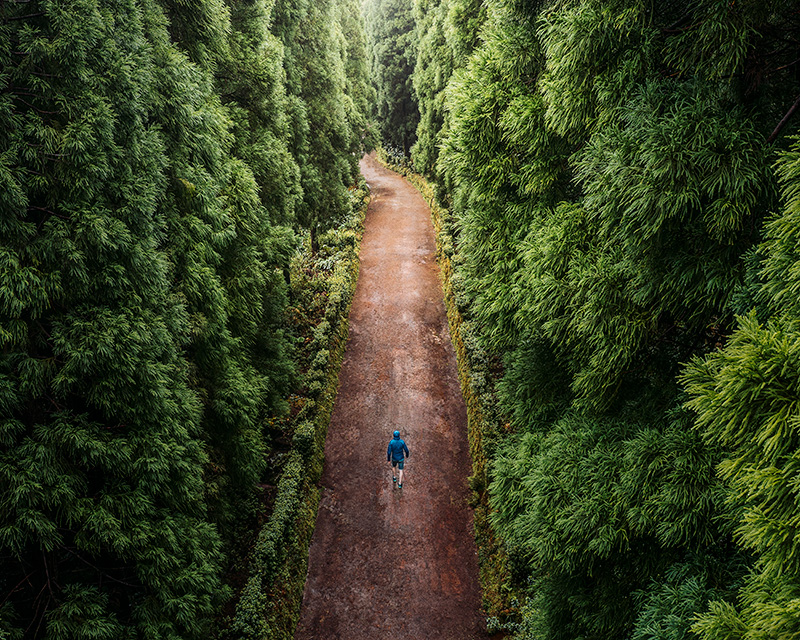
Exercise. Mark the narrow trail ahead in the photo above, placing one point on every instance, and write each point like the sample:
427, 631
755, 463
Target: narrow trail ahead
388, 562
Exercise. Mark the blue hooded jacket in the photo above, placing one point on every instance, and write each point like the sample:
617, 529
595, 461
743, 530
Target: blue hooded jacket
396, 449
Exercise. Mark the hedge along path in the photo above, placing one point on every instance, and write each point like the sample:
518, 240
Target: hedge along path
385, 560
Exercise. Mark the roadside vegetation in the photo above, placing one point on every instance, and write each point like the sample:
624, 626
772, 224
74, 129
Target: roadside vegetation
166, 353
618, 182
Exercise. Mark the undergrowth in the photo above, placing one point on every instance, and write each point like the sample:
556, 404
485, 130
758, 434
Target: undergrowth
270, 575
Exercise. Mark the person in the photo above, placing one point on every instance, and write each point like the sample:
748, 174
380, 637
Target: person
396, 454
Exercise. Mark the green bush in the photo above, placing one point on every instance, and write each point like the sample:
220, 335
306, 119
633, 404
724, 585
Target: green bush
269, 603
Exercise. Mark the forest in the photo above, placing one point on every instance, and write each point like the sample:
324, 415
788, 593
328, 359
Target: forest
620, 181
618, 184
162, 164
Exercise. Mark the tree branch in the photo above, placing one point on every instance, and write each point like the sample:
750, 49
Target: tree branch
678, 23
786, 66
100, 571
30, 15
42, 111
16, 588
785, 119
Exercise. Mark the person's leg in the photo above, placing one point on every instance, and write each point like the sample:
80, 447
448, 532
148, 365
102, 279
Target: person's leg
400, 466
394, 472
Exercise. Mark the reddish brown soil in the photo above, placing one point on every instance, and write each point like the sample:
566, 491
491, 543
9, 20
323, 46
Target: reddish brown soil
388, 562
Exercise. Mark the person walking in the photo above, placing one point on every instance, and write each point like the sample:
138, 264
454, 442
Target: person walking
396, 454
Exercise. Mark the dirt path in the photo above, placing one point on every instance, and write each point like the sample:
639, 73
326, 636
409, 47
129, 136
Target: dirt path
386, 562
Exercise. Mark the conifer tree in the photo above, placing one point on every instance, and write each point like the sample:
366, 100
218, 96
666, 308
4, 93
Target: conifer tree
610, 169
502, 167
145, 163
446, 32
393, 52
432, 70
252, 83
200, 29
320, 133
359, 92
746, 399
103, 530
225, 257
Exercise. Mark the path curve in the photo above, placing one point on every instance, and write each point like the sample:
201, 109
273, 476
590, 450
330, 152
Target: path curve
384, 560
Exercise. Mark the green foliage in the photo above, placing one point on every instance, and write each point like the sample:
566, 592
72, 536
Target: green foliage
199, 28
746, 397
323, 283
393, 52
782, 255
268, 553
252, 84
667, 607
225, 256
658, 234
610, 165
535, 386
500, 166
446, 32
596, 52
359, 92
588, 501
721, 37
589, 486
463, 26
102, 456
432, 70
145, 160
323, 139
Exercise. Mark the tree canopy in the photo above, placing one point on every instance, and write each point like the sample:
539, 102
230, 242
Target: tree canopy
156, 160
392, 44
623, 181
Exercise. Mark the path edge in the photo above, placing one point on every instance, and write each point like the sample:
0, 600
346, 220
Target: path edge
484, 424
270, 602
